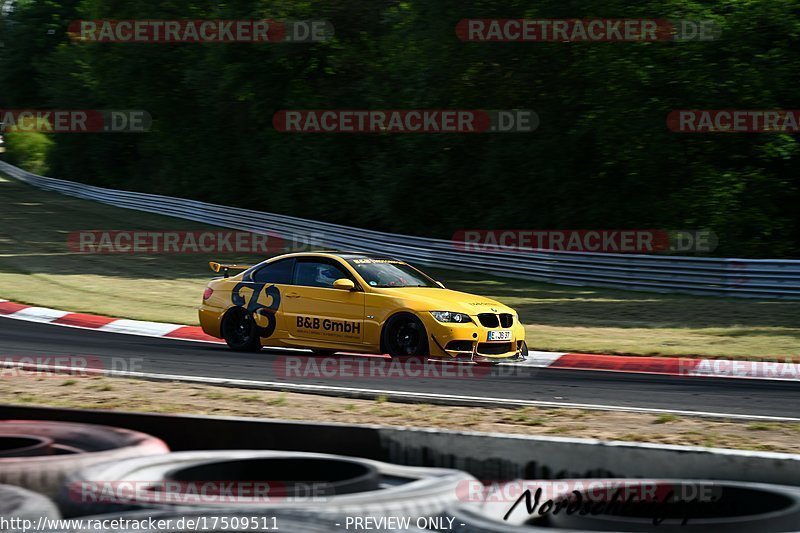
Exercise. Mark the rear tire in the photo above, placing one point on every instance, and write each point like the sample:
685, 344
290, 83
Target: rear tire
240, 331
404, 335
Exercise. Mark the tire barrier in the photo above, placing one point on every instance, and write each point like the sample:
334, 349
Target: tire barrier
633, 505
105, 473
225, 522
37, 454
328, 484
25, 446
25, 505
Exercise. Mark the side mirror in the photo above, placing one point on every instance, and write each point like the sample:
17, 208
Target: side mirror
344, 284
440, 284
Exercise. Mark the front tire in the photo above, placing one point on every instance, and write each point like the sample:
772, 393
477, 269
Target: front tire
240, 331
405, 336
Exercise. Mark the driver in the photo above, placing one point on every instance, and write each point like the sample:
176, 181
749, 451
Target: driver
326, 275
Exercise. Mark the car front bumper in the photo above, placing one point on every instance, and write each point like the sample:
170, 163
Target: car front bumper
469, 342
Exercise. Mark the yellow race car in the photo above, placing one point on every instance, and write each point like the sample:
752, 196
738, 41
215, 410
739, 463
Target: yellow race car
353, 302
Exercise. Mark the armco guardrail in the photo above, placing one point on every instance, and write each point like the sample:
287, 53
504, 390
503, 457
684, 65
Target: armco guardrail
756, 278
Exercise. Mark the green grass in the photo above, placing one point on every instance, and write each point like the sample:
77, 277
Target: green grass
37, 267
665, 419
525, 418
279, 401
761, 426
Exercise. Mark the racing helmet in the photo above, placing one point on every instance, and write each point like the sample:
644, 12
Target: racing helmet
326, 275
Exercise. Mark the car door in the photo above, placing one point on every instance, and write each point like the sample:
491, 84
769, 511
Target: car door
315, 311
263, 294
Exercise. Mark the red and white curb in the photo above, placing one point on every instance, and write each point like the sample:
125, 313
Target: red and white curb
103, 323
669, 366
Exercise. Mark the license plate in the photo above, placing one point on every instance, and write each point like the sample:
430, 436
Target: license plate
503, 335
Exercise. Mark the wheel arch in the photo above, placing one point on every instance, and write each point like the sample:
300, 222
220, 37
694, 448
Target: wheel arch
254, 343
399, 313
224, 316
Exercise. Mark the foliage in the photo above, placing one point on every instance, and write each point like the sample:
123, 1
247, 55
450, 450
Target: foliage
29, 151
602, 156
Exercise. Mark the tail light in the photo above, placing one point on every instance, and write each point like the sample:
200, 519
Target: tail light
207, 293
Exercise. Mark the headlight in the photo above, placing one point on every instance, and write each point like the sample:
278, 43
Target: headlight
449, 316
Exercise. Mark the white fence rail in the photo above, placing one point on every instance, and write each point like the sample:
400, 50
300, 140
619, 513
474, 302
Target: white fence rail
757, 278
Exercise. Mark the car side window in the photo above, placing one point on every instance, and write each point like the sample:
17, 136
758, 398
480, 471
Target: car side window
315, 273
279, 272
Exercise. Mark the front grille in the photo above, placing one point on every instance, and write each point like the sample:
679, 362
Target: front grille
488, 320
459, 346
494, 348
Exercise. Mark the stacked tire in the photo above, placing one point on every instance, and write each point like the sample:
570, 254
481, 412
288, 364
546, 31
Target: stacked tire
331, 486
69, 461
83, 466
39, 455
24, 504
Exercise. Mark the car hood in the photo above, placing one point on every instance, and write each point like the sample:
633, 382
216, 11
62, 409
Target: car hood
437, 299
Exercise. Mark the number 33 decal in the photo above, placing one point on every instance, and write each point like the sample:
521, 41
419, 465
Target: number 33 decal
255, 308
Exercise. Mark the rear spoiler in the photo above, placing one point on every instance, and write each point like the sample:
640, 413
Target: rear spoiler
216, 267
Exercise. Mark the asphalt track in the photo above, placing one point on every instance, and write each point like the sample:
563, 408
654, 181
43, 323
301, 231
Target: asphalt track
20, 339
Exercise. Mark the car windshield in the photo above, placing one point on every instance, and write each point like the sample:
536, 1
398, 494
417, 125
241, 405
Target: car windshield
390, 273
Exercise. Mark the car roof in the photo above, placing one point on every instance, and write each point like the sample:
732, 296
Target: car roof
347, 256
356, 255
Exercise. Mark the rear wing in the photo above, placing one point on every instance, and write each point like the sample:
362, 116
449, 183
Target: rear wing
216, 267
